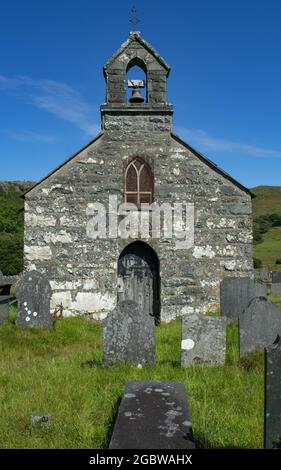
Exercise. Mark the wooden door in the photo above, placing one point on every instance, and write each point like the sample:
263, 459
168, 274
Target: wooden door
138, 280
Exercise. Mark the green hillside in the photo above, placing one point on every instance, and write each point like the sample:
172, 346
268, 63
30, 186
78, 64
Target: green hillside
267, 200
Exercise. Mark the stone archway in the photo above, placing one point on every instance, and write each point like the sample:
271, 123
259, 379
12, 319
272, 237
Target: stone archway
138, 277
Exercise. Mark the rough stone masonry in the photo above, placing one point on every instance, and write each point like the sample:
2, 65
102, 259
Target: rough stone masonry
82, 271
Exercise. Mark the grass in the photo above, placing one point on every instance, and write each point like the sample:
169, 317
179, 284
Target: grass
270, 249
61, 373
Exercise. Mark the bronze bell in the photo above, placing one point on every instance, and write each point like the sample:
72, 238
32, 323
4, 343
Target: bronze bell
136, 96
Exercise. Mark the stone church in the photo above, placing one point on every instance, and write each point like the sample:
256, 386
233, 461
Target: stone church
138, 159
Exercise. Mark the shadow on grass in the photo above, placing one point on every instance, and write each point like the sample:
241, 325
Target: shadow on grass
93, 363
174, 364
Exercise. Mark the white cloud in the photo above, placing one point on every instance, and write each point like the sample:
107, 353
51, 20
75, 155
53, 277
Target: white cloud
205, 141
56, 98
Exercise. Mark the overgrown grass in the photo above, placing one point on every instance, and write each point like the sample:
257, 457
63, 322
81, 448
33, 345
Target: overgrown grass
61, 373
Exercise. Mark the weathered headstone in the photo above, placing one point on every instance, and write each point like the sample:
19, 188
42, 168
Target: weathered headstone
276, 277
4, 307
264, 274
272, 401
236, 294
276, 288
34, 294
153, 415
128, 335
259, 325
203, 340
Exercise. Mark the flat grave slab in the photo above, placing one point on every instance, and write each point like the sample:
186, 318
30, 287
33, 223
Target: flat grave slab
153, 415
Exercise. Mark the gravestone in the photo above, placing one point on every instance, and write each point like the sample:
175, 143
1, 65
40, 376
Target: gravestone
272, 401
276, 288
259, 325
4, 307
236, 294
257, 290
264, 274
153, 415
34, 295
276, 277
128, 335
203, 340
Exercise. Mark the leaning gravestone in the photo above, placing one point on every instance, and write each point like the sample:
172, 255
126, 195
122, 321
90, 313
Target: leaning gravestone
272, 401
236, 294
153, 415
128, 335
276, 277
259, 325
34, 295
276, 288
203, 340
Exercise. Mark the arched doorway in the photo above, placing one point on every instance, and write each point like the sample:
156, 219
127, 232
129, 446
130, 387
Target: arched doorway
138, 277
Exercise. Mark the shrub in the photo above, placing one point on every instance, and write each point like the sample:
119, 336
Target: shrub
11, 253
263, 223
257, 263
278, 261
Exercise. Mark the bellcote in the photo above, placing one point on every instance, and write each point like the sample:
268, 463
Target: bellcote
136, 52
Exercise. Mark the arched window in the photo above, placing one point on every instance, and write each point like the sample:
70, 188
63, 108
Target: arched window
138, 183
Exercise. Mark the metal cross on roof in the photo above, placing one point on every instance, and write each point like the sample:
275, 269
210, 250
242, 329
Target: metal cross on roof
134, 20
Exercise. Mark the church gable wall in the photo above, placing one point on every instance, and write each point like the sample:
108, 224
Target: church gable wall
83, 272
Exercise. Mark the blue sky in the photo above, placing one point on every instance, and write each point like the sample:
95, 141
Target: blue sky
224, 84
